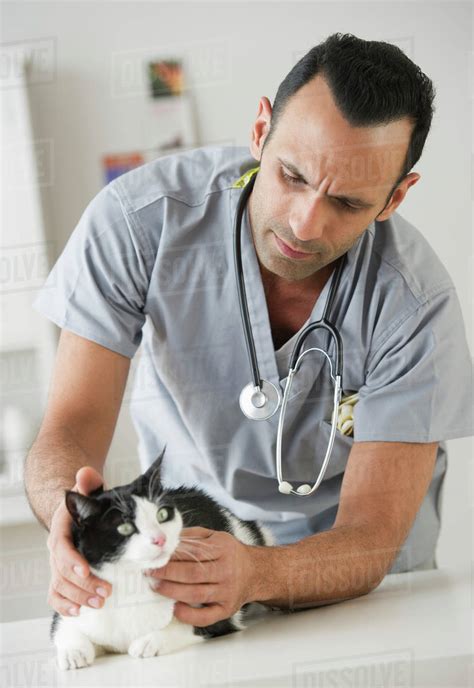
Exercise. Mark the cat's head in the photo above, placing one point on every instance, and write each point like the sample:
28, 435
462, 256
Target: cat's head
135, 525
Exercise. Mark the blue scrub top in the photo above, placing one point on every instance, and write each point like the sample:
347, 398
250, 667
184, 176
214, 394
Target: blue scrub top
150, 265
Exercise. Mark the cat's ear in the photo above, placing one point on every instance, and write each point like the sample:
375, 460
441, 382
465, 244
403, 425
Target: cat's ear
98, 491
155, 466
80, 507
151, 475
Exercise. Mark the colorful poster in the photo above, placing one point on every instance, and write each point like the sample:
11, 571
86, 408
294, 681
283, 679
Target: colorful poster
166, 78
115, 165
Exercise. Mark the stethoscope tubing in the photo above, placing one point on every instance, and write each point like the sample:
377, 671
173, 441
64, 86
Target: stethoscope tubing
296, 355
239, 272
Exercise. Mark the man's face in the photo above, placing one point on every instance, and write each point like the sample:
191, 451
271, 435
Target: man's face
314, 154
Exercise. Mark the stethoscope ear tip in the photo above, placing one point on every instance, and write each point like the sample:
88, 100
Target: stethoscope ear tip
287, 488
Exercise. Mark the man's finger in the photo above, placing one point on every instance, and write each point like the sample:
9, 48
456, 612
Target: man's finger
203, 616
186, 572
197, 532
88, 479
205, 593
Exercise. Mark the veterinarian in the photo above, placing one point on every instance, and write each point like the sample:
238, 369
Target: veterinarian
150, 263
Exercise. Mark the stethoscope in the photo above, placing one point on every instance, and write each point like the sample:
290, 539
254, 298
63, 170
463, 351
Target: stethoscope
260, 399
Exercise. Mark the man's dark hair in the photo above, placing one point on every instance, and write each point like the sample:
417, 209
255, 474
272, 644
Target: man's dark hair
372, 82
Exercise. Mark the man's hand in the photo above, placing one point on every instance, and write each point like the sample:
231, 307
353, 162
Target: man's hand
68, 589
208, 567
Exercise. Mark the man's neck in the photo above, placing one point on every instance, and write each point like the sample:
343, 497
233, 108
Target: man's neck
312, 285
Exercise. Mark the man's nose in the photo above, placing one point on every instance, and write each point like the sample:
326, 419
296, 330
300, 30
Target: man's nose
307, 218
159, 540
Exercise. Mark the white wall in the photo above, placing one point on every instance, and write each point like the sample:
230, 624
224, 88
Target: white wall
238, 52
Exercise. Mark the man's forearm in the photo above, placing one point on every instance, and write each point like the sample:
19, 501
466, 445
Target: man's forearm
50, 469
328, 567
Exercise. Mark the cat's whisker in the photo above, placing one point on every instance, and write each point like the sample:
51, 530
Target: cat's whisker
190, 554
117, 503
113, 506
120, 502
151, 485
198, 561
177, 552
202, 542
187, 511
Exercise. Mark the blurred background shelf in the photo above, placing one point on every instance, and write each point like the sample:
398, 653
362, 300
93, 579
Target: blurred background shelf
14, 508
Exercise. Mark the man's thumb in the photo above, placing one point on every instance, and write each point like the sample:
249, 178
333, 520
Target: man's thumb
88, 479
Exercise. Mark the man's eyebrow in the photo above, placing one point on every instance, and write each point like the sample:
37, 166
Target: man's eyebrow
349, 199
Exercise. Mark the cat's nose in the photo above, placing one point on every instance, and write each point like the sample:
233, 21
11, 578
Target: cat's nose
159, 540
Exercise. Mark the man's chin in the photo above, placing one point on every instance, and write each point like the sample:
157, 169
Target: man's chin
290, 270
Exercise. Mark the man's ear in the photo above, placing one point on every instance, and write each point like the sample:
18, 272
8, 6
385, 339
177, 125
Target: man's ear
398, 195
261, 127
80, 507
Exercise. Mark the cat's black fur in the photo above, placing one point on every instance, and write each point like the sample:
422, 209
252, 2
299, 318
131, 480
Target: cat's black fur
98, 545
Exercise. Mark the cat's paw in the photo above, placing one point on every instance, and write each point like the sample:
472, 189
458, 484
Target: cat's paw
147, 645
75, 657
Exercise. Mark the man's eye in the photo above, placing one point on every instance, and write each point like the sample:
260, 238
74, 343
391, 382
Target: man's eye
346, 206
298, 180
292, 180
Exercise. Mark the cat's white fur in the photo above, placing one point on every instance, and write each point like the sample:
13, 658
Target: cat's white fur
135, 618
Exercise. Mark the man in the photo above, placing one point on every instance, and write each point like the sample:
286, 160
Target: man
151, 262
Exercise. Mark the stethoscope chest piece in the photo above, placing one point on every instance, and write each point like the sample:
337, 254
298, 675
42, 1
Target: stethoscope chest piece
260, 403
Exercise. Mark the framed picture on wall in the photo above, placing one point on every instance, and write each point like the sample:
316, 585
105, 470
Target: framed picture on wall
165, 122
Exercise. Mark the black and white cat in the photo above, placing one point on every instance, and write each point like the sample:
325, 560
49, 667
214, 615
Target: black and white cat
121, 532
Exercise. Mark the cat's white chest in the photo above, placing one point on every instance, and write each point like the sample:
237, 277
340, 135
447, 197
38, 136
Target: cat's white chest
132, 610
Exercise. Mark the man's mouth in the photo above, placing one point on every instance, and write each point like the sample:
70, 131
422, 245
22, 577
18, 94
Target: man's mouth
290, 252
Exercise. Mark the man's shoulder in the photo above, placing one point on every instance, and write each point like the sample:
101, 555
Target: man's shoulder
408, 258
188, 176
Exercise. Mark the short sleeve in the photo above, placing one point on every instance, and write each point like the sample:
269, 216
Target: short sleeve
418, 385
98, 285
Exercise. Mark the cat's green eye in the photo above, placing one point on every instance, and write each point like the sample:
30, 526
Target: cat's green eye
125, 529
162, 514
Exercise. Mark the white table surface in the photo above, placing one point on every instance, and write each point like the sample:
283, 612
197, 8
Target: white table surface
415, 629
